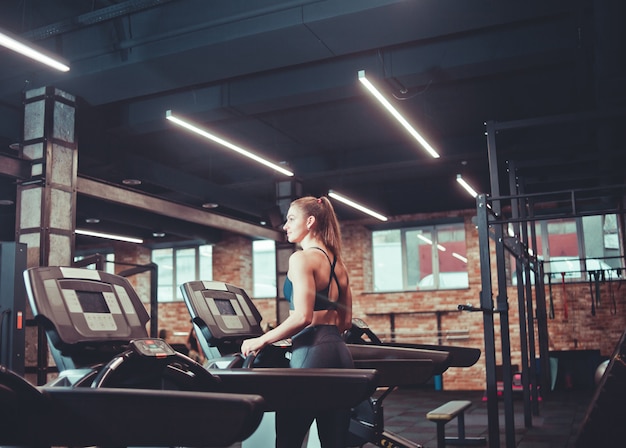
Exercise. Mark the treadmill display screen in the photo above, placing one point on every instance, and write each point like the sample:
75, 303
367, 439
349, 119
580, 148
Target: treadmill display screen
224, 307
92, 302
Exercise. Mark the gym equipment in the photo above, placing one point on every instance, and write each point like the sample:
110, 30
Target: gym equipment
603, 424
599, 373
12, 306
223, 316
447, 412
116, 385
64, 416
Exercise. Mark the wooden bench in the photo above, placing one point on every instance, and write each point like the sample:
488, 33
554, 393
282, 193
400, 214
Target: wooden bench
447, 412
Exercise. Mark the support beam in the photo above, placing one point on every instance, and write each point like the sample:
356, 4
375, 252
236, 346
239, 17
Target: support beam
112, 193
14, 167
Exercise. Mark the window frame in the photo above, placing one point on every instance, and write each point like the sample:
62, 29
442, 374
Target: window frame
433, 229
579, 265
255, 272
176, 294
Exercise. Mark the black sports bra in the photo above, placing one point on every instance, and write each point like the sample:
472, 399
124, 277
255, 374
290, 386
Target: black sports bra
322, 302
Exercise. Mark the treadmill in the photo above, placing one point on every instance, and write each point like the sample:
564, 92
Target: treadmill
64, 416
223, 315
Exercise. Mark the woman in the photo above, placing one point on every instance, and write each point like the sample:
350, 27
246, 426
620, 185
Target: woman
318, 291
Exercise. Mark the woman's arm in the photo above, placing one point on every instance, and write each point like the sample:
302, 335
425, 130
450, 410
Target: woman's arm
301, 276
345, 310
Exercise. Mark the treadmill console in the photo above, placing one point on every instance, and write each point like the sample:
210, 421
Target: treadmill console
221, 311
152, 348
84, 305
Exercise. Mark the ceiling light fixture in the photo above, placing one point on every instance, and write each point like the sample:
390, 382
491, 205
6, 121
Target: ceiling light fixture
29, 50
465, 185
392, 110
353, 204
109, 236
206, 134
131, 182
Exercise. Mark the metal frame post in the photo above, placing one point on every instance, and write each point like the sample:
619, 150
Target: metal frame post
502, 300
486, 305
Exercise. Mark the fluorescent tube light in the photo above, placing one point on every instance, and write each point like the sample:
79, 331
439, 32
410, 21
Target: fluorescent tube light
460, 257
206, 134
465, 185
29, 50
109, 236
353, 204
392, 110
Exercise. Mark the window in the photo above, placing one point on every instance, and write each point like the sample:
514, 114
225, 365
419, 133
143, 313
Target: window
427, 257
560, 239
387, 256
180, 265
264, 268
571, 247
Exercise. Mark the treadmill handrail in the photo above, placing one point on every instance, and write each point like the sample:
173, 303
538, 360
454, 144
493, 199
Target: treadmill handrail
140, 417
440, 359
65, 416
291, 389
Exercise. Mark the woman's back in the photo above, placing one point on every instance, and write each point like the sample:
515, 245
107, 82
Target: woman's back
331, 286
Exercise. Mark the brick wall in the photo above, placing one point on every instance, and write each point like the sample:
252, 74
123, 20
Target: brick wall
175, 317
417, 312
128, 256
232, 261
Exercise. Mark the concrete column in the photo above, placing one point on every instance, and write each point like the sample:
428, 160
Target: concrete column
46, 203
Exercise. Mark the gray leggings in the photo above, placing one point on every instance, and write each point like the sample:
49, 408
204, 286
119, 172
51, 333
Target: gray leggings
316, 347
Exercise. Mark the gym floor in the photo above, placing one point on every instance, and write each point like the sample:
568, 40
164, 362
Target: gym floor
555, 426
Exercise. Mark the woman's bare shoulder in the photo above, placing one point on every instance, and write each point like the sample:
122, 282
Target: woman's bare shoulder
298, 258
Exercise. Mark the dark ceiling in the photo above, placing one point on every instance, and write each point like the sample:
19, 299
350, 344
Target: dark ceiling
280, 77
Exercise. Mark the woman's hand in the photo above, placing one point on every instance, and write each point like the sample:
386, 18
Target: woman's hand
252, 346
